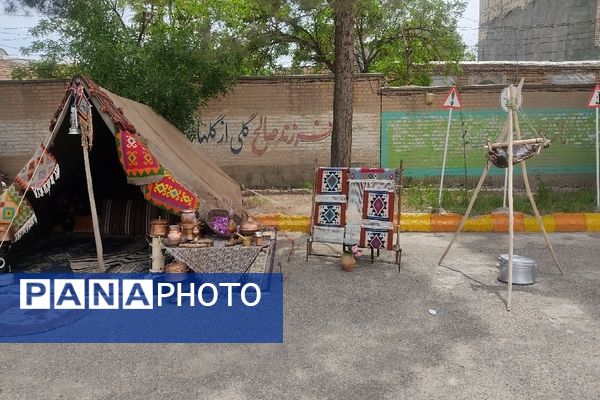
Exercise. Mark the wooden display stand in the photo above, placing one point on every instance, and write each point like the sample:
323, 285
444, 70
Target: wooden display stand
374, 252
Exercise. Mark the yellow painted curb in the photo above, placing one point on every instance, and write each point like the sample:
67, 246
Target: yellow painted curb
482, 223
415, 222
531, 224
560, 222
592, 222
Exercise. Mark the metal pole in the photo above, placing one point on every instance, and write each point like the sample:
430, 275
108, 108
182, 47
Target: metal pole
444, 162
597, 164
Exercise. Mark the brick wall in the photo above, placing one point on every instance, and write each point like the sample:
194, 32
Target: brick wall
415, 132
26, 108
507, 72
269, 131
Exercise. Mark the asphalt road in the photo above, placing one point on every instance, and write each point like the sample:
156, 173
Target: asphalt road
369, 335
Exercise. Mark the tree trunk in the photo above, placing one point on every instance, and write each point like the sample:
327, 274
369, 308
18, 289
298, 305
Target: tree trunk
343, 92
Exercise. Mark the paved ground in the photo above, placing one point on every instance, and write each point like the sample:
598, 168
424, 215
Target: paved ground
368, 335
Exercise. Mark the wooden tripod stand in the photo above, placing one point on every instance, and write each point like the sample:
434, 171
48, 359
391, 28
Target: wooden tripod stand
513, 129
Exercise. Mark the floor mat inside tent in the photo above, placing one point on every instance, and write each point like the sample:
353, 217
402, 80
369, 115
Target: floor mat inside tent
77, 253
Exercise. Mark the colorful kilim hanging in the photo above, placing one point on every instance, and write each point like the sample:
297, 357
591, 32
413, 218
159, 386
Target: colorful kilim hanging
45, 176
140, 166
332, 180
22, 218
170, 195
333, 214
376, 238
372, 173
378, 205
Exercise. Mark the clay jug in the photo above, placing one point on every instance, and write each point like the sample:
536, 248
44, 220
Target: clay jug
188, 217
348, 262
174, 236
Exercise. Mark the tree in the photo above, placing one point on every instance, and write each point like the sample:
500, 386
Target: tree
167, 54
397, 37
343, 92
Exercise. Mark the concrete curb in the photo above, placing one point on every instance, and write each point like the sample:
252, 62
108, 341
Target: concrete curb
494, 222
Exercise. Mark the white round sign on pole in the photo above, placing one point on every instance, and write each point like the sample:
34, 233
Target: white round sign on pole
505, 99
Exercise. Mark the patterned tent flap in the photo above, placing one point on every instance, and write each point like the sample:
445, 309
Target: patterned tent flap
40, 173
23, 218
169, 194
140, 166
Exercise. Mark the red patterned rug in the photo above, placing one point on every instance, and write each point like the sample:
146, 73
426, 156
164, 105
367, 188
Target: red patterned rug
140, 166
171, 195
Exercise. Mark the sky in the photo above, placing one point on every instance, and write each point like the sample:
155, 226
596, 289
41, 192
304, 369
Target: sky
14, 29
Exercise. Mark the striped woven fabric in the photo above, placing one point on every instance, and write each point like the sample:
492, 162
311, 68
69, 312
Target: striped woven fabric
128, 217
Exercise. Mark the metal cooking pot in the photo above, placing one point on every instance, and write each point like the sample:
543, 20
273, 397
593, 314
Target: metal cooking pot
249, 228
523, 269
158, 227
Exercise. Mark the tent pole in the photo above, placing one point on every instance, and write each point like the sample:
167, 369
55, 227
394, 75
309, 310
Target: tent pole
90, 189
511, 216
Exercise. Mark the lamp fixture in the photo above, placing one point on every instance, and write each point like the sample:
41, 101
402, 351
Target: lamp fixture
74, 129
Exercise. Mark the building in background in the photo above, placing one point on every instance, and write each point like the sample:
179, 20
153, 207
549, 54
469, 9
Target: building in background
7, 63
539, 30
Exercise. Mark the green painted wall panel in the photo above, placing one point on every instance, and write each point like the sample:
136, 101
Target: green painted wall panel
418, 139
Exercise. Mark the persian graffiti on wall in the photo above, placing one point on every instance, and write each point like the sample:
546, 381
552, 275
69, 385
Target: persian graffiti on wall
260, 133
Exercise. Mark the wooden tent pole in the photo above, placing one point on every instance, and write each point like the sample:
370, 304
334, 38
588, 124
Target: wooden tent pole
511, 216
90, 189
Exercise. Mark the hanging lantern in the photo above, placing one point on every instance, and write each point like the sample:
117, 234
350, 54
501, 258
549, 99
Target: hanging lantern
74, 129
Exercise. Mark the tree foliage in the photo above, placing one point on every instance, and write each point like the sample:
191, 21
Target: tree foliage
167, 54
175, 54
396, 37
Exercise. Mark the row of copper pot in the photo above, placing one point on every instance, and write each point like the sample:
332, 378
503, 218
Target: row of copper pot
159, 227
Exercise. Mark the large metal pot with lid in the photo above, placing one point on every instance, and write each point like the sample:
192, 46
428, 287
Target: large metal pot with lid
523, 269
249, 228
158, 227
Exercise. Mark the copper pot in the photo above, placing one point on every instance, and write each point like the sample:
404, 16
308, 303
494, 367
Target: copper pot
188, 217
176, 267
174, 236
188, 231
158, 227
249, 228
6, 235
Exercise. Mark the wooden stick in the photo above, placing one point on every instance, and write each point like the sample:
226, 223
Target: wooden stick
538, 217
469, 208
90, 189
516, 142
511, 215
